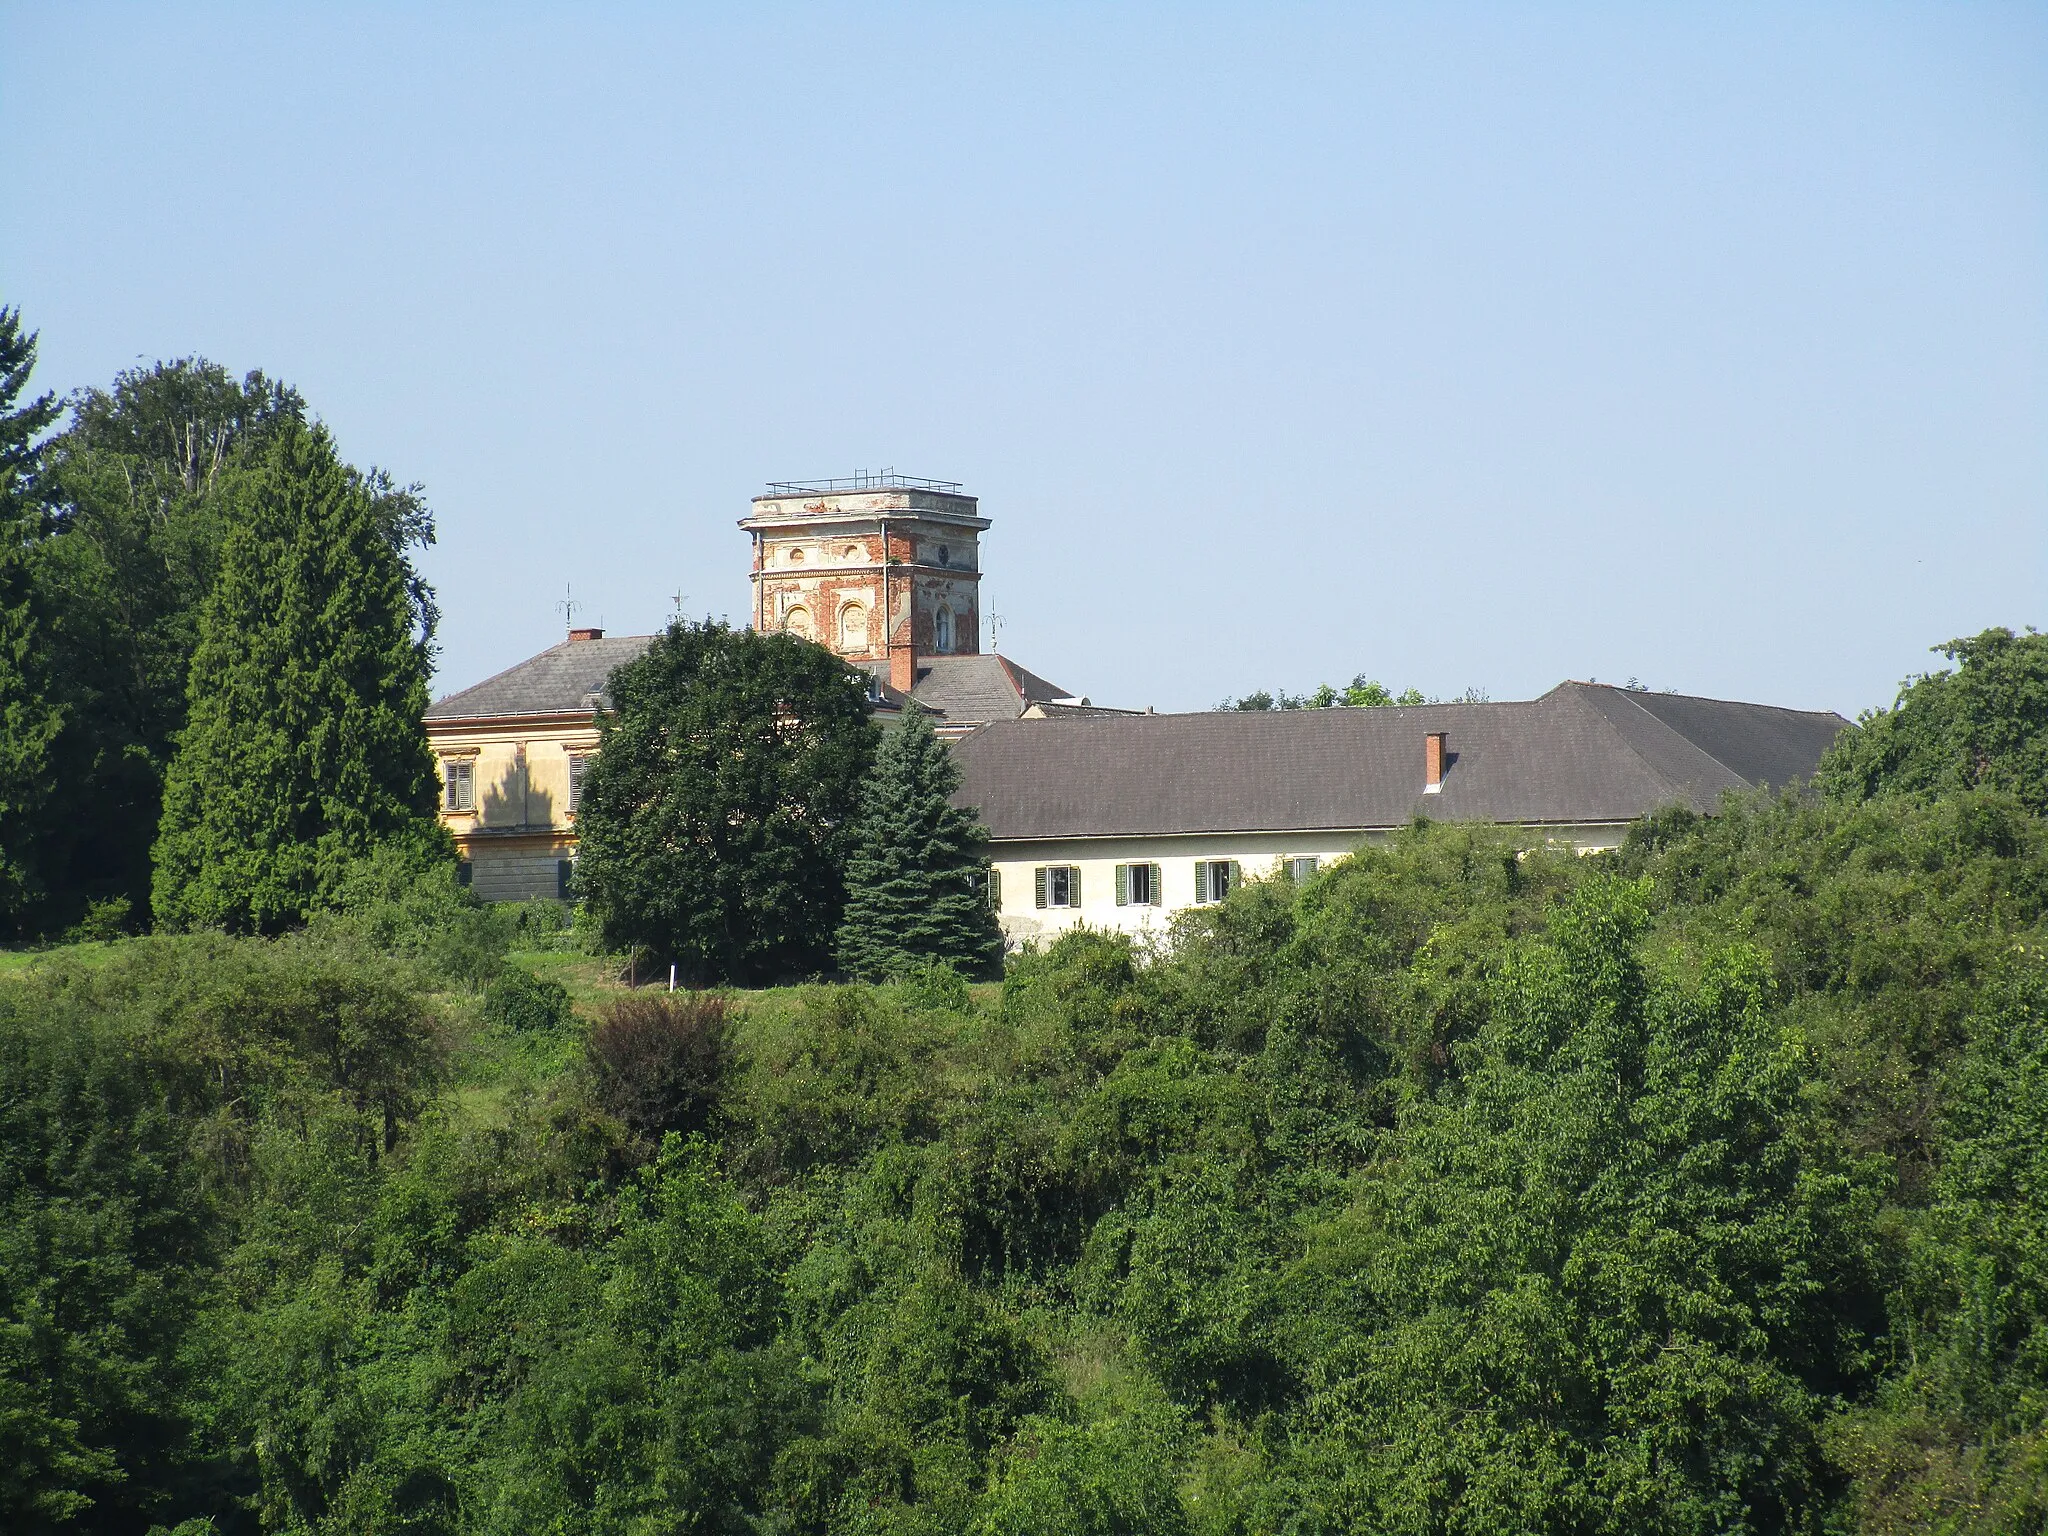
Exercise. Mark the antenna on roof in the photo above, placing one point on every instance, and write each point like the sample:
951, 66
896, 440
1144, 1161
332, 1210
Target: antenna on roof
676, 599
567, 607
995, 631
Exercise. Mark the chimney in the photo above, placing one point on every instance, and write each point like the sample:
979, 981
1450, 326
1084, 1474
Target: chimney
1433, 755
586, 634
903, 663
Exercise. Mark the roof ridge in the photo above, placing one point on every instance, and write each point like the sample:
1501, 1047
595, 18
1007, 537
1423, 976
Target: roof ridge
1703, 698
1657, 725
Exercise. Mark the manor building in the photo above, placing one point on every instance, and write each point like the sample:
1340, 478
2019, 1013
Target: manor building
1100, 816
883, 569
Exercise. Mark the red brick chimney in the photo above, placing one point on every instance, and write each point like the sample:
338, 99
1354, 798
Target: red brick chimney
586, 634
903, 662
1433, 763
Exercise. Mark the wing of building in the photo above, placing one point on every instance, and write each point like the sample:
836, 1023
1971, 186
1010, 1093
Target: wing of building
1119, 821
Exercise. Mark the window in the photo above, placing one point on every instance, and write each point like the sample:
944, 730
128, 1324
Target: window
1058, 885
945, 555
458, 779
465, 872
578, 761
1302, 870
565, 878
1137, 885
995, 889
796, 557
797, 622
942, 631
853, 627
1213, 880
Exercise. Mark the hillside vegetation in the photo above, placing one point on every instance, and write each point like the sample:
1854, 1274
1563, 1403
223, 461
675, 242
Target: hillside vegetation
1465, 1188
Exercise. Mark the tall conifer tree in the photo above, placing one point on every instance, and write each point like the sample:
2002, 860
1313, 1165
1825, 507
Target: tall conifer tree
29, 716
917, 881
305, 745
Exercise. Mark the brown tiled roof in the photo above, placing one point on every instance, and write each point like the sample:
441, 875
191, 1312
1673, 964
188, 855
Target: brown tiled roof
1583, 753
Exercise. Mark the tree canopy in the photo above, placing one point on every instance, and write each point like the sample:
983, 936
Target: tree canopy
1982, 726
714, 822
917, 873
304, 746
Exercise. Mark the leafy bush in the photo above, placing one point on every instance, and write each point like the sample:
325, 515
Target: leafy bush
937, 986
517, 999
658, 1060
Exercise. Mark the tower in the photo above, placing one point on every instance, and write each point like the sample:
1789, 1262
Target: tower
881, 568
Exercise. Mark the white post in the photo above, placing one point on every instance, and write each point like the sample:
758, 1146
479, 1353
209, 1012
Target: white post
671, 975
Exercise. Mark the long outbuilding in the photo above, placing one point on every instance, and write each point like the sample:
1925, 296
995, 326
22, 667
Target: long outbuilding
1119, 821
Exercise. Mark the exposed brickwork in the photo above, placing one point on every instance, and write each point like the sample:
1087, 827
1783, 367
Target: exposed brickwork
871, 575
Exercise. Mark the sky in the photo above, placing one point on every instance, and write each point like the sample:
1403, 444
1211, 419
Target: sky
1455, 345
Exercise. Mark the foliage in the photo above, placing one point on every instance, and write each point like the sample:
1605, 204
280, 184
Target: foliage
1467, 1186
517, 999
31, 717
658, 1060
1361, 692
917, 872
1982, 726
305, 747
140, 486
715, 818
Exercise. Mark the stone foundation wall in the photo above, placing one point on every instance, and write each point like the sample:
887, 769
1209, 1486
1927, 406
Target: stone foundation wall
515, 874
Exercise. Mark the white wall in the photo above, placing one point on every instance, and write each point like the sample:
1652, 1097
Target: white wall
1257, 853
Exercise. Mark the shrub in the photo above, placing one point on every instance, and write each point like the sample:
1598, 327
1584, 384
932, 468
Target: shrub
659, 1060
938, 987
518, 999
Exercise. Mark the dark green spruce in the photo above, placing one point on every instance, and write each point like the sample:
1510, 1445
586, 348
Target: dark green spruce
30, 718
304, 747
917, 877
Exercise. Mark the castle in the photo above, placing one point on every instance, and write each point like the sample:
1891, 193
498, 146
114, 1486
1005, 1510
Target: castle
1104, 816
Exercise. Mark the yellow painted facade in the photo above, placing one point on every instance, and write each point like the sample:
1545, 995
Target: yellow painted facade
518, 831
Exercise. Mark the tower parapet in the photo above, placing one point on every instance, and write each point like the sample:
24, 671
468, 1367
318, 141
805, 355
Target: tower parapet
879, 568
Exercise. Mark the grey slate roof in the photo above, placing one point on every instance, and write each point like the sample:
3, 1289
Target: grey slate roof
569, 678
1583, 753
564, 679
973, 690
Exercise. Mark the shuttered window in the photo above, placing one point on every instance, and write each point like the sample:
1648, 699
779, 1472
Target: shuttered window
458, 777
577, 763
1057, 885
1137, 885
995, 888
565, 878
1214, 879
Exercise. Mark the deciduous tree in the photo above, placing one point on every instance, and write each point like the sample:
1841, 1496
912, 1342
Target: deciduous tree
715, 819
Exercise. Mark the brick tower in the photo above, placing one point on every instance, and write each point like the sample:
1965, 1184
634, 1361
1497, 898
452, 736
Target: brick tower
880, 568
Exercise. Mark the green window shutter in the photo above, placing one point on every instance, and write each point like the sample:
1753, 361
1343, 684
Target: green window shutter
995, 888
1123, 885
1201, 881
1158, 887
1234, 876
1039, 876
1074, 885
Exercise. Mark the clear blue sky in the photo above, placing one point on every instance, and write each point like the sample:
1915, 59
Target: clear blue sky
1454, 344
